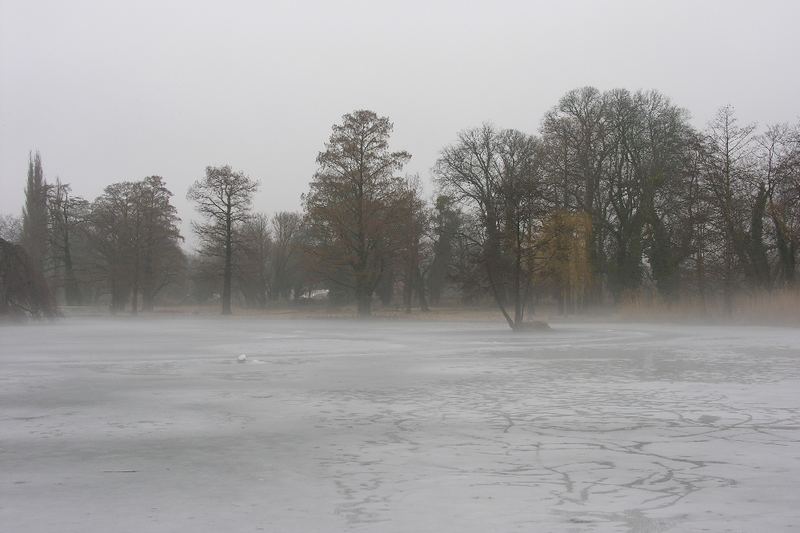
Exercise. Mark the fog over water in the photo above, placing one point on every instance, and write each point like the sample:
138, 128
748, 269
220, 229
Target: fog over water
111, 91
152, 425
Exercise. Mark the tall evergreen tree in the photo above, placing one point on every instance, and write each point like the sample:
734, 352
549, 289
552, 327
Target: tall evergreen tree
34, 214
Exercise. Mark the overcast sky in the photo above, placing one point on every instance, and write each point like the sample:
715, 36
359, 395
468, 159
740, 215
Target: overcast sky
112, 90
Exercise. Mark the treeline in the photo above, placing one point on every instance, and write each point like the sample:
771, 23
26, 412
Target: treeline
123, 248
617, 196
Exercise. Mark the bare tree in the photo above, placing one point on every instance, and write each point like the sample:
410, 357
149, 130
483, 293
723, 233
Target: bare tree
412, 225
112, 232
287, 232
645, 182
729, 160
779, 166
497, 175
66, 214
223, 199
253, 264
132, 230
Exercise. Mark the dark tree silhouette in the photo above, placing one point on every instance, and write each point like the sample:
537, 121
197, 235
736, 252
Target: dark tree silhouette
223, 198
34, 214
23, 289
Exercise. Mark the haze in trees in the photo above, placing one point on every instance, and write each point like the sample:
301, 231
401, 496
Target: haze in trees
617, 199
253, 265
134, 236
287, 255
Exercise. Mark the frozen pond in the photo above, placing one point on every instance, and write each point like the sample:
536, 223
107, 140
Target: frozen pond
394, 426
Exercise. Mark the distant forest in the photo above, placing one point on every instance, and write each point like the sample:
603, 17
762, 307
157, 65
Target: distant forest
618, 198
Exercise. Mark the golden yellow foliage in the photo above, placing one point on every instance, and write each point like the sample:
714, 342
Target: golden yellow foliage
563, 256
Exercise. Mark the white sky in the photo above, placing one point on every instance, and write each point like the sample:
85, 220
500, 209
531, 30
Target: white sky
112, 90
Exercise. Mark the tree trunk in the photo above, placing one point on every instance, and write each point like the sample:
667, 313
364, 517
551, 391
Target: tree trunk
72, 292
148, 285
727, 287
423, 301
786, 252
363, 299
408, 288
135, 297
135, 289
758, 252
518, 303
491, 258
497, 298
701, 276
148, 301
228, 272
114, 296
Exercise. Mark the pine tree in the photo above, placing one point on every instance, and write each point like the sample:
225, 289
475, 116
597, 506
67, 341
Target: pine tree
34, 214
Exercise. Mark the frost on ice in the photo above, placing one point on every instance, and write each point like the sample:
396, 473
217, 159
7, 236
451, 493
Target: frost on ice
142, 426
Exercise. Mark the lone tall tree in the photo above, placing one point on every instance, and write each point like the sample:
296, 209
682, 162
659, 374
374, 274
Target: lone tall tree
497, 175
349, 207
224, 198
34, 214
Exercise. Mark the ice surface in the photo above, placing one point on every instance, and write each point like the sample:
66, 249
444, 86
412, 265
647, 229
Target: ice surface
151, 425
